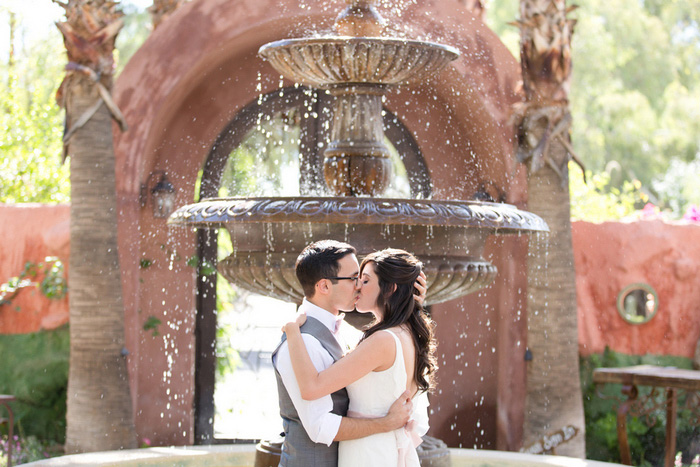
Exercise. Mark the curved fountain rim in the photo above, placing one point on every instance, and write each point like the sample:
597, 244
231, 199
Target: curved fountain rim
499, 217
244, 454
344, 40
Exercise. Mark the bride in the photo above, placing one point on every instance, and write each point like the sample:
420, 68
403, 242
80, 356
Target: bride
398, 343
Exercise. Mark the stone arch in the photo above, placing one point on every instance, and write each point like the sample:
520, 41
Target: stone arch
194, 73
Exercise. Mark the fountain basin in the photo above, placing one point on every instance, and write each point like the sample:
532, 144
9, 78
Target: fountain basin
243, 455
324, 61
267, 234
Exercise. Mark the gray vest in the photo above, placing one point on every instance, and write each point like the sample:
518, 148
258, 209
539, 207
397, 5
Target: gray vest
298, 450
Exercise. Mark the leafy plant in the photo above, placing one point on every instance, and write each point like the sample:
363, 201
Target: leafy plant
634, 92
205, 267
152, 324
26, 450
35, 370
53, 284
598, 200
31, 126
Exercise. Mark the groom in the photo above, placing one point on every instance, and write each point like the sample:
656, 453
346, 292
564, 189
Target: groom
328, 272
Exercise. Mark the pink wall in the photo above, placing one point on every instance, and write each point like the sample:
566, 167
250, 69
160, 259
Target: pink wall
612, 255
31, 232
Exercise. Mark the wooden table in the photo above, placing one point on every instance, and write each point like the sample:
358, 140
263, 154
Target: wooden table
5, 400
669, 378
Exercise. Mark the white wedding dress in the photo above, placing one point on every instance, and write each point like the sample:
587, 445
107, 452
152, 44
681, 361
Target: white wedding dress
370, 397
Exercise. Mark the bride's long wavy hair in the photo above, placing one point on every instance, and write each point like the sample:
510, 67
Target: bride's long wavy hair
401, 269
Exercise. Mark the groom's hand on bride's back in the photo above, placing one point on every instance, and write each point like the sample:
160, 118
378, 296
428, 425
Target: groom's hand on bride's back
399, 412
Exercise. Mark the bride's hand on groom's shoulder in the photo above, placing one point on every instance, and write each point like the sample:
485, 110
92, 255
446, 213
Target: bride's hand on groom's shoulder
421, 288
296, 324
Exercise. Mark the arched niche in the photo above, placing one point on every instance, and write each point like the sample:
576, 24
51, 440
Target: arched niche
194, 74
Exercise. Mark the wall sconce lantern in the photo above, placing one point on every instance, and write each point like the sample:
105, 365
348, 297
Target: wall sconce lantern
162, 194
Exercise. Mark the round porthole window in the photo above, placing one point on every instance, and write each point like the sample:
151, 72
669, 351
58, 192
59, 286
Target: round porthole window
637, 303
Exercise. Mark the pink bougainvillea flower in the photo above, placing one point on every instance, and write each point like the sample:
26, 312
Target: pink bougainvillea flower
649, 211
692, 213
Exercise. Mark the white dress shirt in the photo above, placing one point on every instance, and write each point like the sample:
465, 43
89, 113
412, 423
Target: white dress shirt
320, 424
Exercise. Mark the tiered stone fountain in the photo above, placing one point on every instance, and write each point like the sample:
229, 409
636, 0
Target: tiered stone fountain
357, 66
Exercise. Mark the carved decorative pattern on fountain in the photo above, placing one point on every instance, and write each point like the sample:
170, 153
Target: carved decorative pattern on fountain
498, 217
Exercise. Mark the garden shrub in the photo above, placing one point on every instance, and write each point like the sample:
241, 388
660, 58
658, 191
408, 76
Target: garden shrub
646, 443
34, 369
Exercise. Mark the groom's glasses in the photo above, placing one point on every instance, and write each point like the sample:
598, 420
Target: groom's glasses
356, 278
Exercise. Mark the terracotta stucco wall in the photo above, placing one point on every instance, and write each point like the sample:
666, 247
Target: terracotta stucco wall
31, 232
612, 255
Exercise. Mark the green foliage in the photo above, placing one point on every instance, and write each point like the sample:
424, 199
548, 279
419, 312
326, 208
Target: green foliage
151, 324
646, 443
598, 200
227, 357
680, 186
25, 450
267, 160
634, 93
499, 16
31, 127
35, 370
137, 27
205, 267
636, 73
53, 285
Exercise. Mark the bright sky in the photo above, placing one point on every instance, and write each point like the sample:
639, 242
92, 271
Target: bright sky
36, 19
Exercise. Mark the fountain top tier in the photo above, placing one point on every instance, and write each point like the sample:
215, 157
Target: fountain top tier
357, 53
327, 61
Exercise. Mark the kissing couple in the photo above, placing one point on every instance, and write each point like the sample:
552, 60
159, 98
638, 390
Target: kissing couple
366, 407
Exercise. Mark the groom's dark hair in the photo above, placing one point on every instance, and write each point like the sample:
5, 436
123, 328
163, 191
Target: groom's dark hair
320, 261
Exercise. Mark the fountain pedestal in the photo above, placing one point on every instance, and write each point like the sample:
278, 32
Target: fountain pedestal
357, 159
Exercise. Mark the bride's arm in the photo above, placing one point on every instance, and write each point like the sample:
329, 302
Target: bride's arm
378, 351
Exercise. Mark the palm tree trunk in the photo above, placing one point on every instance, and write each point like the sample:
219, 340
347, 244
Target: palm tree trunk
100, 412
553, 398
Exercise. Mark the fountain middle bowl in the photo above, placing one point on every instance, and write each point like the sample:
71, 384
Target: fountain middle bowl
268, 233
